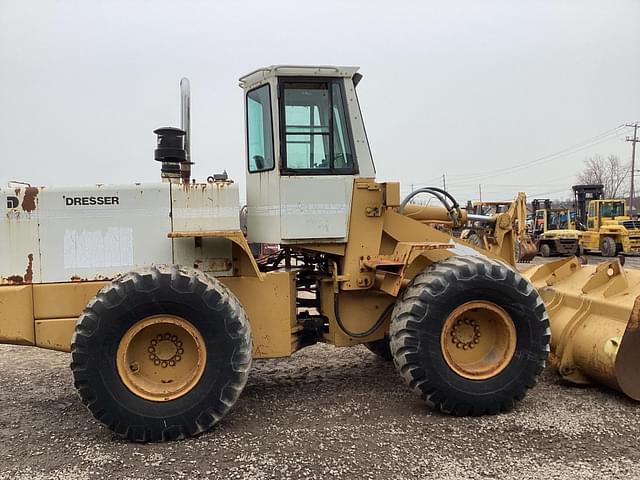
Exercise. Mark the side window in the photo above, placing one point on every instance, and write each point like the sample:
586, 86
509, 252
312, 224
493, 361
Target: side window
591, 214
259, 130
343, 158
539, 225
315, 128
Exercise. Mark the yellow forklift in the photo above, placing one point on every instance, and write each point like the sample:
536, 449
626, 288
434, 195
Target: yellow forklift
554, 231
605, 223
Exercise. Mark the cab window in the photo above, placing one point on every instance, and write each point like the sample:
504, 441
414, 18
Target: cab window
613, 209
540, 221
315, 129
590, 215
563, 220
259, 130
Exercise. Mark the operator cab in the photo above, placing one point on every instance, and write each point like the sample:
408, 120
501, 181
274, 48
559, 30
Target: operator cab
306, 144
601, 211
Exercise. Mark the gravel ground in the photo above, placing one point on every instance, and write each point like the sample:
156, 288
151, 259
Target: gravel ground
324, 413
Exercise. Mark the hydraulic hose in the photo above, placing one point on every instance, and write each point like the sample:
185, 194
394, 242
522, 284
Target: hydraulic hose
374, 327
453, 209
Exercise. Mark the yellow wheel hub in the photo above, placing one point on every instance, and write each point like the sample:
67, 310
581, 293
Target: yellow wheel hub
161, 358
478, 340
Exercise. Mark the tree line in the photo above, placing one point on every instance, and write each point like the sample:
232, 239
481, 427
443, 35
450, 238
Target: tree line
610, 172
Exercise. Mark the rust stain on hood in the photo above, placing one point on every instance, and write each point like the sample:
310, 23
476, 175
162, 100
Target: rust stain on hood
97, 278
28, 275
19, 279
12, 280
30, 198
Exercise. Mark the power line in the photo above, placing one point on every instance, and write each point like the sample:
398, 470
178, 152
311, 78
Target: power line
467, 182
548, 158
602, 137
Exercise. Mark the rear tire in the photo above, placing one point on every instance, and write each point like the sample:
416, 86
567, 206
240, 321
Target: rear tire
419, 336
124, 366
608, 247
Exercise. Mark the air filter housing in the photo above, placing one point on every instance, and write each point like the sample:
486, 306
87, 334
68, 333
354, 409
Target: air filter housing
170, 150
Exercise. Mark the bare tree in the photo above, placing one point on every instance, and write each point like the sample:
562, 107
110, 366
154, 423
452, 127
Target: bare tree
610, 172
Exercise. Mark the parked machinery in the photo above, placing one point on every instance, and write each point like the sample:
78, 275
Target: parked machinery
154, 289
512, 215
554, 229
605, 223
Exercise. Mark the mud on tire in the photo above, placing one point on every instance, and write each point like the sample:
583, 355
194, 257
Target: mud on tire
417, 323
161, 290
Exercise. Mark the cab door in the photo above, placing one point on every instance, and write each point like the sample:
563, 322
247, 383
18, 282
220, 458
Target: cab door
318, 165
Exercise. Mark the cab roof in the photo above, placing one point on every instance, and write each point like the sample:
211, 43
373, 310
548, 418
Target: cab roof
264, 73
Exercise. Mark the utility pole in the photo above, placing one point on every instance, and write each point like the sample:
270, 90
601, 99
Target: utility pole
444, 183
480, 190
633, 141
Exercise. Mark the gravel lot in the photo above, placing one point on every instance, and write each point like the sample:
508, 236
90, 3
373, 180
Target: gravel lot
324, 413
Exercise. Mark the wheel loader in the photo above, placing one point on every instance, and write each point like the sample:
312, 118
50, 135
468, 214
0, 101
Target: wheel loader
484, 234
155, 292
605, 223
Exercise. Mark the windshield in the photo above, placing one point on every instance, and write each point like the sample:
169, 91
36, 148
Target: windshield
314, 124
612, 209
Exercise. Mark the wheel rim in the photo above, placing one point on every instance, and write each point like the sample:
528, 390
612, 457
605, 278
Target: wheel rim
478, 340
161, 357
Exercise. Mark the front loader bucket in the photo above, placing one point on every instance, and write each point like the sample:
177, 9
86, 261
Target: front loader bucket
527, 250
594, 314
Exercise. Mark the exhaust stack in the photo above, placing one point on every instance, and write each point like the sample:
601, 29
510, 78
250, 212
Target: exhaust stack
185, 126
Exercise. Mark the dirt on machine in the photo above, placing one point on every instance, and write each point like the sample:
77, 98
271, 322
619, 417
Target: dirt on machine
158, 294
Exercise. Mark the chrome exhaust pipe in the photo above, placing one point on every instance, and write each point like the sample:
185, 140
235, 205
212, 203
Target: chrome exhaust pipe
185, 125
481, 218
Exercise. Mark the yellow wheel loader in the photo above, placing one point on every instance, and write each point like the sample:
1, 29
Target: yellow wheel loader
606, 223
155, 292
509, 215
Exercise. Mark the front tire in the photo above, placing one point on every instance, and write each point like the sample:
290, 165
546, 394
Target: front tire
161, 353
545, 250
608, 247
470, 336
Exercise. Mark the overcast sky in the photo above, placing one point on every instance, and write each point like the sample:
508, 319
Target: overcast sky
464, 88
